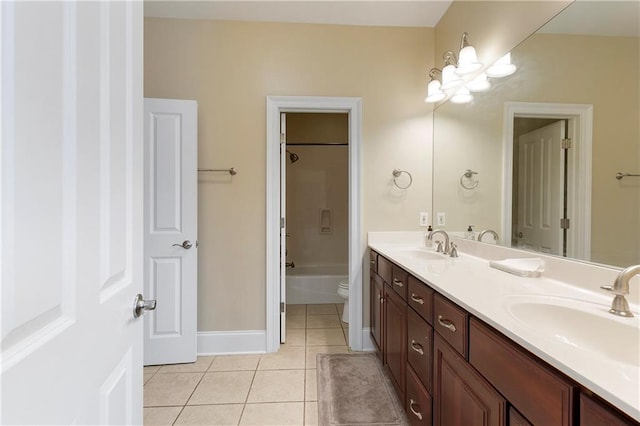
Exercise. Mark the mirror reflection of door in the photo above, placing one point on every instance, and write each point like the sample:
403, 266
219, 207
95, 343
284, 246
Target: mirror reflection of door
541, 187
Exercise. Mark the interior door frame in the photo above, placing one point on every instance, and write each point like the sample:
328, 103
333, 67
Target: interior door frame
580, 128
275, 106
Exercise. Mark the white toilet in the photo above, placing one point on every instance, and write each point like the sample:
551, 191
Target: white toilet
343, 291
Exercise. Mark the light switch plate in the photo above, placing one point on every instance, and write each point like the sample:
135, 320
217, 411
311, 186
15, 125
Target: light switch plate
424, 219
441, 218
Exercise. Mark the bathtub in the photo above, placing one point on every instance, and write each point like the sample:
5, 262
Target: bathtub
315, 283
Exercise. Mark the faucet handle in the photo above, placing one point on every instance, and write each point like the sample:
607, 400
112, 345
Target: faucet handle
453, 252
438, 246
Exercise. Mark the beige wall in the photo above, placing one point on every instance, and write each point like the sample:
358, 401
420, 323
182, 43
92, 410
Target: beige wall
602, 71
230, 68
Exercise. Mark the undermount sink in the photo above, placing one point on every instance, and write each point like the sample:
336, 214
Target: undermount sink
584, 325
418, 254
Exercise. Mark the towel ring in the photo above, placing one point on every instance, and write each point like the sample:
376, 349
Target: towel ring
467, 181
397, 173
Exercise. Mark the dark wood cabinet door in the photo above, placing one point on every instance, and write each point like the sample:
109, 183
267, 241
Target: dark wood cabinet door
395, 339
594, 413
460, 395
377, 295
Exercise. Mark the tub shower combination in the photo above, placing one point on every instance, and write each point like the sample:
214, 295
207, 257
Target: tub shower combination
315, 283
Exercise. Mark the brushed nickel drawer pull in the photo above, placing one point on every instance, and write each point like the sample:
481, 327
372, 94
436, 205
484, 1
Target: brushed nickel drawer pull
372, 261
415, 413
397, 282
417, 347
417, 299
446, 323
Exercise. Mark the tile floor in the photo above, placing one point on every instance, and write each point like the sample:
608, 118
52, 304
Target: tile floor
269, 389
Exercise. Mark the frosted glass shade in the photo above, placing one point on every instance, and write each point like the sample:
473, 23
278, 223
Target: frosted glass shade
434, 93
502, 67
467, 61
479, 84
449, 77
462, 96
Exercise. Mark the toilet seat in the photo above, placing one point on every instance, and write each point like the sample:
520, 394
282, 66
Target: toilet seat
343, 291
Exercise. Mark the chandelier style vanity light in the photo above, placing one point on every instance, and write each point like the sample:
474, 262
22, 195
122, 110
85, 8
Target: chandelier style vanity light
459, 76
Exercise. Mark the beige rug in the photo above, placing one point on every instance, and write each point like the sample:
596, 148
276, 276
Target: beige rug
354, 390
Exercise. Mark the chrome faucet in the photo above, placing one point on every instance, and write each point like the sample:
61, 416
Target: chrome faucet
488, 231
619, 305
446, 238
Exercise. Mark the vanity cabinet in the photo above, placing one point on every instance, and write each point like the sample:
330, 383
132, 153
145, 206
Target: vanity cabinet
450, 368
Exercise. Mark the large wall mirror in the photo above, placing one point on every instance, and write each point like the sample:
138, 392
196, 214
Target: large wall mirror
578, 78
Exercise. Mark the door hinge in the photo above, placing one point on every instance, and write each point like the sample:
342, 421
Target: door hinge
282, 307
566, 143
565, 223
282, 223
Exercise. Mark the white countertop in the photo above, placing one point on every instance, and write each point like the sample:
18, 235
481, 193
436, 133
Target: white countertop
489, 294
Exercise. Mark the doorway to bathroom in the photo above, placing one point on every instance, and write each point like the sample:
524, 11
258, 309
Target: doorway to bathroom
316, 194
324, 219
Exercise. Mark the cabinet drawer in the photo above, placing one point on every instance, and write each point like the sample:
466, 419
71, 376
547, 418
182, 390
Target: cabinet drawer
419, 347
420, 298
384, 269
542, 396
418, 400
399, 281
373, 261
593, 413
450, 321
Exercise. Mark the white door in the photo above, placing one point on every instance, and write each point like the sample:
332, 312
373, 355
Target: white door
283, 227
170, 229
541, 189
71, 190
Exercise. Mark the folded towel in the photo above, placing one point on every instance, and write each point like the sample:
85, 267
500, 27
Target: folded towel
528, 267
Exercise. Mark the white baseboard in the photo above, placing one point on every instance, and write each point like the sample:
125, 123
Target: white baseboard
232, 342
367, 343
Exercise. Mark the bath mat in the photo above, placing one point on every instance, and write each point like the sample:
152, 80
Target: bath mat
353, 389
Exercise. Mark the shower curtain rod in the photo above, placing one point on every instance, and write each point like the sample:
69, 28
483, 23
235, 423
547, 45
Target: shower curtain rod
316, 144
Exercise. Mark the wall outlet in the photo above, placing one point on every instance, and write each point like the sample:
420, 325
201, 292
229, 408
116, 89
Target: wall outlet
441, 218
424, 219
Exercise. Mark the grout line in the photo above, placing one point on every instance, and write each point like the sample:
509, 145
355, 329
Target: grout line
187, 401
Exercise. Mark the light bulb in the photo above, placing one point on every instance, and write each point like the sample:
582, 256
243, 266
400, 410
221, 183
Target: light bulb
434, 94
479, 84
467, 61
502, 67
449, 78
462, 96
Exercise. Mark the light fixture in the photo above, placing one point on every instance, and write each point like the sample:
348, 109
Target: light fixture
479, 84
434, 92
502, 67
449, 77
467, 59
462, 96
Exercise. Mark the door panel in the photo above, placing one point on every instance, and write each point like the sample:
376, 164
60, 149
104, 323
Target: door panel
283, 227
71, 212
170, 221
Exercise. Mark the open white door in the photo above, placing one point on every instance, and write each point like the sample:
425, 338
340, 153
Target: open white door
71, 194
171, 229
283, 227
541, 189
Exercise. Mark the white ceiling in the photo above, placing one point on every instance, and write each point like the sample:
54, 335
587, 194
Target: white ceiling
397, 13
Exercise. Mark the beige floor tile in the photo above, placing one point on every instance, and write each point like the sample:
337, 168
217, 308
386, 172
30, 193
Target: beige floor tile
152, 369
223, 387
170, 389
160, 416
311, 385
322, 309
284, 413
312, 351
296, 337
323, 321
201, 365
235, 363
296, 309
147, 377
296, 321
287, 358
226, 414
310, 413
325, 337
277, 386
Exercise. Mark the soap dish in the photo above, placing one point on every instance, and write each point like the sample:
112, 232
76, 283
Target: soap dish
528, 267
